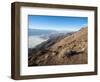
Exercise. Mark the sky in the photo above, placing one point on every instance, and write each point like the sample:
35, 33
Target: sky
60, 23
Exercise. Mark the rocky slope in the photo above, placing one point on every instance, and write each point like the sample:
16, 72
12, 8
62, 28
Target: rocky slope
61, 50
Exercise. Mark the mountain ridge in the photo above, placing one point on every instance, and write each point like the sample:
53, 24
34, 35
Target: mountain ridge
63, 50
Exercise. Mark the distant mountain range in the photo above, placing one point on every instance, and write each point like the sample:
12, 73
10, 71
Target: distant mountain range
63, 49
46, 34
34, 32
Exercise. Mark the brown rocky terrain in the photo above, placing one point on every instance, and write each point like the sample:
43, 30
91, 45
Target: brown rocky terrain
63, 50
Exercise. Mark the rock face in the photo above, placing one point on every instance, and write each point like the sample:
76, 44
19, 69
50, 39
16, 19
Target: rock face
61, 50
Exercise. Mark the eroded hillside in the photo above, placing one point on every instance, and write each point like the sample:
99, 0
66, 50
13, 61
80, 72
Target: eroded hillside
62, 50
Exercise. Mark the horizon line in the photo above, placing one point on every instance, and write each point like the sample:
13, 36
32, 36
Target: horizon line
67, 29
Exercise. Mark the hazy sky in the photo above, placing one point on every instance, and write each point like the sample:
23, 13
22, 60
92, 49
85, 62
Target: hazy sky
56, 22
